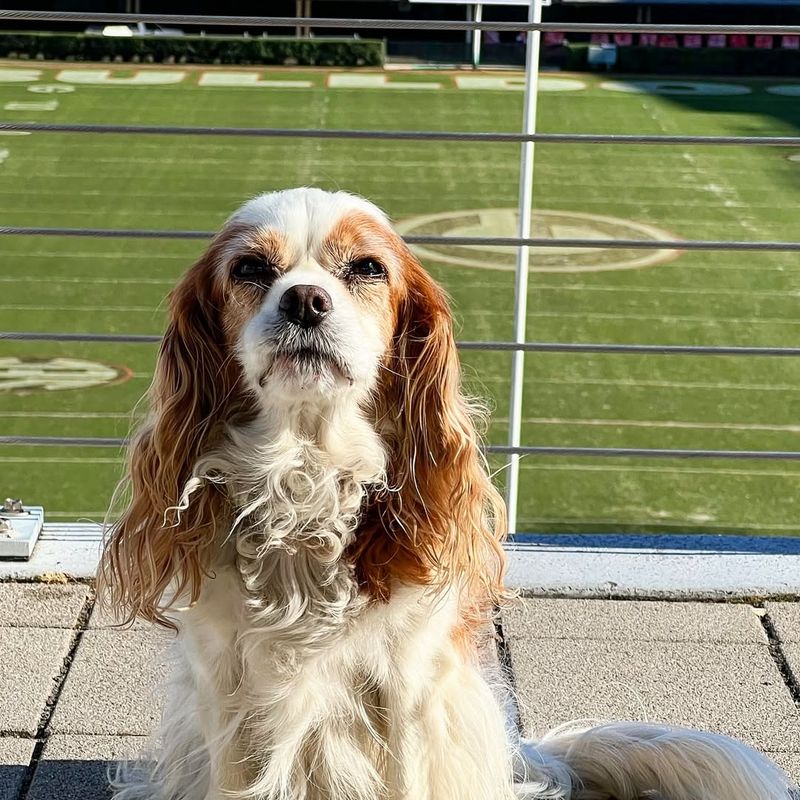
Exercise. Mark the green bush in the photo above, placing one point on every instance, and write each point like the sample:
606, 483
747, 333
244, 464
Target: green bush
194, 49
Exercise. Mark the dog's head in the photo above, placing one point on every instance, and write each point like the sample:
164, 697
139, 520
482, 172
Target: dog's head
305, 303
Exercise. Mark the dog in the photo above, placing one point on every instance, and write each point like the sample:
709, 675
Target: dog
309, 508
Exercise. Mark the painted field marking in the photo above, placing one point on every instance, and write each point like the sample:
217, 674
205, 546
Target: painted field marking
688, 519
15, 133
19, 75
636, 384
55, 374
121, 309
46, 105
552, 224
51, 88
64, 514
248, 80
104, 77
789, 90
88, 280
4, 154
63, 415
675, 87
648, 423
343, 80
582, 467
55, 460
516, 84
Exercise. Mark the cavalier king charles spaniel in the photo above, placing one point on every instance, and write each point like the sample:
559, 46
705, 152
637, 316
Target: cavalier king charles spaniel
309, 508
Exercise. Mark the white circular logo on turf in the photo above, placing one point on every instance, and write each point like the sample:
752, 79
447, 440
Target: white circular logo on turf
545, 224
675, 87
29, 374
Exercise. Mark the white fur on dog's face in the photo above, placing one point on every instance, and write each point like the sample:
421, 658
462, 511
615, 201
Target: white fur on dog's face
307, 237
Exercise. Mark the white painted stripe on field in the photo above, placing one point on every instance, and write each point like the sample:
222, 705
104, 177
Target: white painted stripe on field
787, 294
642, 317
649, 423
49, 513
632, 383
64, 415
87, 280
59, 460
614, 467
121, 309
644, 523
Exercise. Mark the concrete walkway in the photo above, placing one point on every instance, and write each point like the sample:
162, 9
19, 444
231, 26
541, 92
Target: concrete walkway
76, 695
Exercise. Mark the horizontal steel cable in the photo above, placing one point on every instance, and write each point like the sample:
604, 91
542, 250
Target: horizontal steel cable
587, 452
529, 347
123, 338
432, 136
383, 24
461, 241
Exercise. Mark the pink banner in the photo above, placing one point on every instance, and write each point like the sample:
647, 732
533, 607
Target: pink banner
738, 40
716, 40
763, 42
790, 42
600, 38
623, 39
667, 40
693, 40
554, 38
648, 39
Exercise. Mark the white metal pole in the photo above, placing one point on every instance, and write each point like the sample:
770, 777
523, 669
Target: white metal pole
476, 37
523, 260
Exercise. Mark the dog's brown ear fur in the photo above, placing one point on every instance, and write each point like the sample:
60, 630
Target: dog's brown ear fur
158, 551
442, 521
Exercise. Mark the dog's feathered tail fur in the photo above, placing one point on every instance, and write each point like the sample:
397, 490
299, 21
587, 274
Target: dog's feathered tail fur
644, 761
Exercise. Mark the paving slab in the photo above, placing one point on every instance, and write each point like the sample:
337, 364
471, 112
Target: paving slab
32, 660
113, 684
730, 687
15, 755
78, 767
43, 605
786, 618
789, 763
103, 617
630, 620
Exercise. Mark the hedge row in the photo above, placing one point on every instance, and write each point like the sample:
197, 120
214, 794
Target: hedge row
193, 49
688, 60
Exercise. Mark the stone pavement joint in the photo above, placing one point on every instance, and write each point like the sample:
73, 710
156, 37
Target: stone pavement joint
780, 658
43, 730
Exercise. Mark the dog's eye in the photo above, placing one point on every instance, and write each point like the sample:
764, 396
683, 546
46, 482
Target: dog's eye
367, 268
253, 269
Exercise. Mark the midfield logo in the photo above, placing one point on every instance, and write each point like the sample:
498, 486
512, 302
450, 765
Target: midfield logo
55, 374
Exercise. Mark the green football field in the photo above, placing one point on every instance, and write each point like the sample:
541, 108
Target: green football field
52, 284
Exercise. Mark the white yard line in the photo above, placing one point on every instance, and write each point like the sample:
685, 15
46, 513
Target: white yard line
642, 317
64, 415
609, 466
647, 423
632, 384
60, 460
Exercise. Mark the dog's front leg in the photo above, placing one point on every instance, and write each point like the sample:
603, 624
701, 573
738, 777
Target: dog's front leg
446, 733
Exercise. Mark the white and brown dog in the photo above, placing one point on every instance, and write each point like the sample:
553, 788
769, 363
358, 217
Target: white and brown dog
310, 509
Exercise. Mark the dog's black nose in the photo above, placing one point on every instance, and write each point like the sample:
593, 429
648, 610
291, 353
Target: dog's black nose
305, 305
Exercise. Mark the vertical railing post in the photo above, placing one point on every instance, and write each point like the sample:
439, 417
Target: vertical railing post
523, 260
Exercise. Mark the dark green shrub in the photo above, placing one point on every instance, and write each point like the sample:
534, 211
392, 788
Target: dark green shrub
195, 49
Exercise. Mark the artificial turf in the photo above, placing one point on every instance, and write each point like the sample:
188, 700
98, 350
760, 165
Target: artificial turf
717, 298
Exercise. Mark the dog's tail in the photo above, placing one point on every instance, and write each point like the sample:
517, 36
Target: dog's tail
636, 761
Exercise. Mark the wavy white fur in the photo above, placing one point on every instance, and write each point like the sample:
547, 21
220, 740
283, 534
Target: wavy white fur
290, 684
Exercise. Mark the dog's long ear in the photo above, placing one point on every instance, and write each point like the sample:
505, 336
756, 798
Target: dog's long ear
158, 549
442, 520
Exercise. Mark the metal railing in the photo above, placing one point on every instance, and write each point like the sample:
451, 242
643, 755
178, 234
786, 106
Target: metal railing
527, 138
